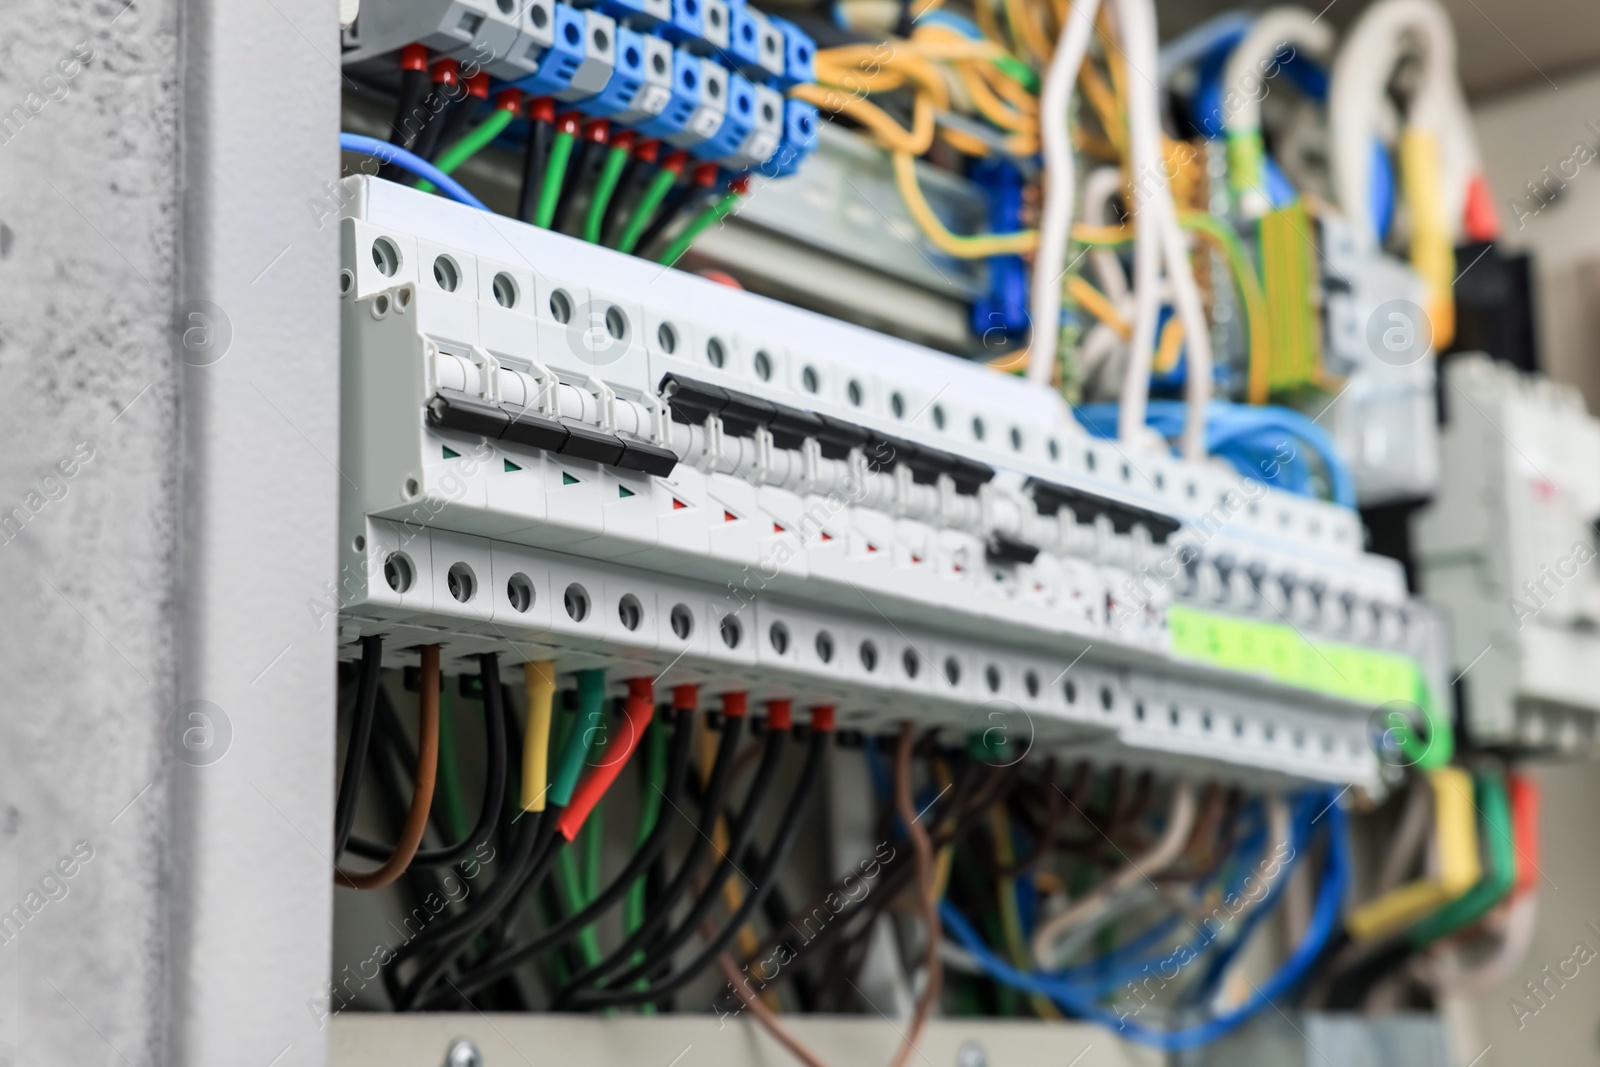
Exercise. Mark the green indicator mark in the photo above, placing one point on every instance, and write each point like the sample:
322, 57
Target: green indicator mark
624, 491
450, 453
567, 479
510, 466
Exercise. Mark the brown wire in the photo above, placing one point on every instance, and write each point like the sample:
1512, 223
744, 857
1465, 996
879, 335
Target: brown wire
422, 796
764, 1015
922, 846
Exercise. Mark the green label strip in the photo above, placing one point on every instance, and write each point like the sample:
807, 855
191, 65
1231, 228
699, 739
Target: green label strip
1279, 652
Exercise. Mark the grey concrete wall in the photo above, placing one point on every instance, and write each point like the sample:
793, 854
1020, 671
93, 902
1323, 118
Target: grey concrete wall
167, 506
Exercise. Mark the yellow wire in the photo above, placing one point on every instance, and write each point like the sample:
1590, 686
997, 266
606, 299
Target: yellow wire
890, 133
1104, 101
981, 246
1010, 914
1099, 305
1166, 357
1026, 29
540, 680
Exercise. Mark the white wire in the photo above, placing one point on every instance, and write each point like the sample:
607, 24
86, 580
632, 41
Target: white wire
1243, 75
1157, 235
1060, 178
1357, 91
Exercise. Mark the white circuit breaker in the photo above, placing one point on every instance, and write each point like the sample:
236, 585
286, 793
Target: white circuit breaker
563, 451
1507, 551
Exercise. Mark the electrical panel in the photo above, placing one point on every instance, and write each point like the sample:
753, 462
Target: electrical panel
556, 451
1507, 553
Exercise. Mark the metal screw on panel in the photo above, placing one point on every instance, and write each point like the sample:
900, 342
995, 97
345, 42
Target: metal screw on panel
463, 1053
971, 1054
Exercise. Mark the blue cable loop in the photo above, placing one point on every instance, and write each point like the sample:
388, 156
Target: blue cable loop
385, 152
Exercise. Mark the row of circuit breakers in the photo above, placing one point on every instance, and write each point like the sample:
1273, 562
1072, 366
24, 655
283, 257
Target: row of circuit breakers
566, 453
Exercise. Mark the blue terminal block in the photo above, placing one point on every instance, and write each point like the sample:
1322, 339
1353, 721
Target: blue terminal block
565, 56
800, 121
1005, 305
744, 40
736, 125
626, 77
799, 54
684, 101
687, 25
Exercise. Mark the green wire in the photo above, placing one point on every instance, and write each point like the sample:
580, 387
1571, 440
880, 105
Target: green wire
708, 218
1500, 872
659, 187
1020, 71
585, 732
469, 146
554, 174
449, 774
649, 811
603, 190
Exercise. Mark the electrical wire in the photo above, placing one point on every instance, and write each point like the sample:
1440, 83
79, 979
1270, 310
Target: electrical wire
555, 173
740, 984
1060, 177
704, 221
661, 912
1290, 974
743, 832
1162, 854
922, 850
509, 959
606, 187
355, 753
765, 882
422, 795
474, 142
408, 161
654, 194
495, 759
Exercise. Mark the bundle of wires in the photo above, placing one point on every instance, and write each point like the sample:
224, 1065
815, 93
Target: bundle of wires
581, 177
1083, 999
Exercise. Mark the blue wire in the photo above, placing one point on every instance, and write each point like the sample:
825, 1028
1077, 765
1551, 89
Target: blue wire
1324, 924
409, 161
1247, 437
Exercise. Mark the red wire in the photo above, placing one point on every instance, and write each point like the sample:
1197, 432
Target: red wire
636, 715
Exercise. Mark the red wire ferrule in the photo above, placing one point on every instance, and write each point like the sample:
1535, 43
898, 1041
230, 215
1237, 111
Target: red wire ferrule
542, 109
685, 697
509, 100
647, 150
822, 718
478, 85
706, 174
568, 122
735, 705
675, 161
598, 131
446, 72
1525, 831
740, 184
414, 57
780, 715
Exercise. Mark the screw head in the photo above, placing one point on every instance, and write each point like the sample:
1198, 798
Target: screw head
971, 1054
463, 1052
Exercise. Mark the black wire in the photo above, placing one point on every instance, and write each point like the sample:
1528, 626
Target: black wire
636, 179
683, 205
461, 116
716, 792
504, 962
529, 862
740, 835
355, 755
583, 174
494, 791
766, 879
534, 161
413, 87
440, 103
